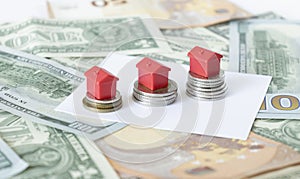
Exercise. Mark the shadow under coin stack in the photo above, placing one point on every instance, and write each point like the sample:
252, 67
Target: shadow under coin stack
205, 80
153, 87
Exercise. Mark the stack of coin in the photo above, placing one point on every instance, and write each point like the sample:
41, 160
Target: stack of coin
206, 88
103, 106
160, 97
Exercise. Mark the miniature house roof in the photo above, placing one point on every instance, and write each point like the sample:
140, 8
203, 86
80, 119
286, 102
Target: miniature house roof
202, 55
151, 66
100, 75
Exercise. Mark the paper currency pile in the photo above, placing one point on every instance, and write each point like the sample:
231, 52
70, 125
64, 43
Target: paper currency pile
42, 61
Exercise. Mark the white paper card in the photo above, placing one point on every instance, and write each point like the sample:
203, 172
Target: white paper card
231, 117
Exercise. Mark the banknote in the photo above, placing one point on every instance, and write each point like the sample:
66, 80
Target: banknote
78, 38
183, 40
188, 157
270, 48
10, 163
290, 172
53, 153
174, 57
284, 131
222, 29
81, 64
31, 87
168, 13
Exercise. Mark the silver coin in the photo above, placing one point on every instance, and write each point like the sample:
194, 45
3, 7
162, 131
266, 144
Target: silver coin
163, 103
206, 80
172, 87
206, 97
154, 99
211, 93
207, 89
161, 97
206, 86
152, 95
208, 93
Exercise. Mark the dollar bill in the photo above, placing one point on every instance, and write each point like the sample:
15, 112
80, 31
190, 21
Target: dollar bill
284, 131
187, 156
168, 14
183, 40
270, 48
78, 38
290, 173
32, 87
212, 37
53, 153
10, 163
175, 57
81, 64
222, 29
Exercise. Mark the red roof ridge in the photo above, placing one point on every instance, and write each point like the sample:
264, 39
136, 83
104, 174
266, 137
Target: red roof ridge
100, 74
152, 65
199, 51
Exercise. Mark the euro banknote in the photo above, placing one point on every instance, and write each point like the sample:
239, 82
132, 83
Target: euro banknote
148, 153
167, 14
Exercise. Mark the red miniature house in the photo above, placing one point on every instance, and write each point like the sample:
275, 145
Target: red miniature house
204, 63
152, 74
101, 84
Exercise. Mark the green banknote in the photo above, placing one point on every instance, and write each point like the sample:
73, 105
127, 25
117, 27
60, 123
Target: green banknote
183, 40
270, 48
222, 29
284, 131
52, 153
81, 64
10, 163
77, 38
175, 57
32, 87
286, 173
